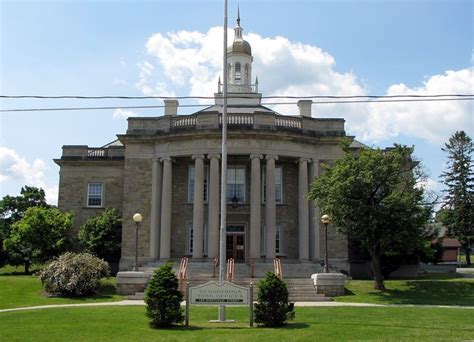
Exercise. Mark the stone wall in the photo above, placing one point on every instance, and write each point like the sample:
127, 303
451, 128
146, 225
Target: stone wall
74, 176
137, 197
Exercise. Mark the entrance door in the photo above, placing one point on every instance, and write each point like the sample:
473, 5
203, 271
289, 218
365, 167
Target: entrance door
235, 243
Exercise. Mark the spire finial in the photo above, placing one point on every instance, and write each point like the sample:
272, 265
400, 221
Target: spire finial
238, 15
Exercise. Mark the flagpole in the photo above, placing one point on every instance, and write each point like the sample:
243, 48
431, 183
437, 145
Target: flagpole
222, 255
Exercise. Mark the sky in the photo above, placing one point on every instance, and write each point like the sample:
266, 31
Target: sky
174, 48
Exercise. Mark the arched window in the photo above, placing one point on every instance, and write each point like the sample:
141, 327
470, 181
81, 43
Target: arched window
237, 73
247, 74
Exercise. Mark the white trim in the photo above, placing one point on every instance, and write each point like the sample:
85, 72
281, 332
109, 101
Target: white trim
101, 205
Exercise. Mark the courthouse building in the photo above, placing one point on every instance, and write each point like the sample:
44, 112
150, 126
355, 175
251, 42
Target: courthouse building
168, 169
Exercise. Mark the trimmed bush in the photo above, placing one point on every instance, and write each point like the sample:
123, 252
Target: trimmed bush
163, 298
272, 308
74, 275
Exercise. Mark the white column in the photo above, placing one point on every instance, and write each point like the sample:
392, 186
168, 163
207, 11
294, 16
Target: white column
156, 186
315, 216
270, 207
213, 219
303, 209
255, 206
166, 198
198, 206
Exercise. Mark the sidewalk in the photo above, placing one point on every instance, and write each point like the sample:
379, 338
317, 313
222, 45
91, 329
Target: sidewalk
320, 304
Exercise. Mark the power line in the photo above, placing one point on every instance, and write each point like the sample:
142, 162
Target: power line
79, 97
208, 105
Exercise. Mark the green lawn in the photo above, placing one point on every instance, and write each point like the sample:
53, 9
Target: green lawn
439, 289
311, 324
19, 290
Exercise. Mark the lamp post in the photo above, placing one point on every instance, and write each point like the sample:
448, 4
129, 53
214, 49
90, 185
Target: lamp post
137, 218
326, 219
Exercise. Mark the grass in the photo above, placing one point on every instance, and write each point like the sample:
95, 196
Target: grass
440, 289
311, 324
20, 290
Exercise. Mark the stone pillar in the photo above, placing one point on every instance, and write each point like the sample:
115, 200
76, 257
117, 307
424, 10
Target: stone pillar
255, 207
314, 215
198, 206
270, 207
213, 219
156, 186
166, 198
303, 210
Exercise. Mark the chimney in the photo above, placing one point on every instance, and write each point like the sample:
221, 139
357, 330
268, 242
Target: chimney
305, 107
171, 107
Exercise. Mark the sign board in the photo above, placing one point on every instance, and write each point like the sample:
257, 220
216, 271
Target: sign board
213, 293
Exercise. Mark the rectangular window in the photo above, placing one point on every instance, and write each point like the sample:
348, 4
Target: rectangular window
189, 244
191, 176
236, 184
94, 194
278, 239
278, 185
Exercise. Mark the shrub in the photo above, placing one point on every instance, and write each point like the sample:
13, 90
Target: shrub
272, 308
101, 235
74, 275
163, 298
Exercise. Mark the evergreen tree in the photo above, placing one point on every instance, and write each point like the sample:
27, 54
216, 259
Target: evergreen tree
163, 298
459, 193
272, 308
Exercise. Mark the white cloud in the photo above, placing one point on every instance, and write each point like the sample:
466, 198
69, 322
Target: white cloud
121, 114
431, 121
15, 168
428, 185
192, 61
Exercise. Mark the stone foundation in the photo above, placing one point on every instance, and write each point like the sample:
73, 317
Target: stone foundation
129, 283
329, 284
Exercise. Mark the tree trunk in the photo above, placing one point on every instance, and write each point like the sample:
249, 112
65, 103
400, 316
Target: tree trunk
27, 267
467, 252
377, 269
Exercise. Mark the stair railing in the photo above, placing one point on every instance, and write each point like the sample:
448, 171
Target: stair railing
230, 269
183, 268
216, 264
277, 267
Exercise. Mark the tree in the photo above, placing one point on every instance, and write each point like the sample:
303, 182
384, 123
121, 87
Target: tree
13, 208
458, 215
272, 307
163, 298
101, 235
373, 197
38, 237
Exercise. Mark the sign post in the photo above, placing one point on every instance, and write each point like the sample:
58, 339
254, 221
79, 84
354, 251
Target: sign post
216, 293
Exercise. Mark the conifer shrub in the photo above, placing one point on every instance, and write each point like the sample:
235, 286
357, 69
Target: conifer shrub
163, 298
74, 275
272, 308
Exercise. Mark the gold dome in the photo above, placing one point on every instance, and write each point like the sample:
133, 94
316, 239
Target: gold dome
240, 46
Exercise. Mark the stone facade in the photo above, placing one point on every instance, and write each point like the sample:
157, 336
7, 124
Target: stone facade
147, 170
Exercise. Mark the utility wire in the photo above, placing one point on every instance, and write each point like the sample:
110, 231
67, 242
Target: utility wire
209, 105
78, 97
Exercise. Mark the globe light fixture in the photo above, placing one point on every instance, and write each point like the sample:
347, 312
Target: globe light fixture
137, 218
326, 219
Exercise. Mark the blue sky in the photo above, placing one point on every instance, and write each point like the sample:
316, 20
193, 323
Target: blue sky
300, 47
